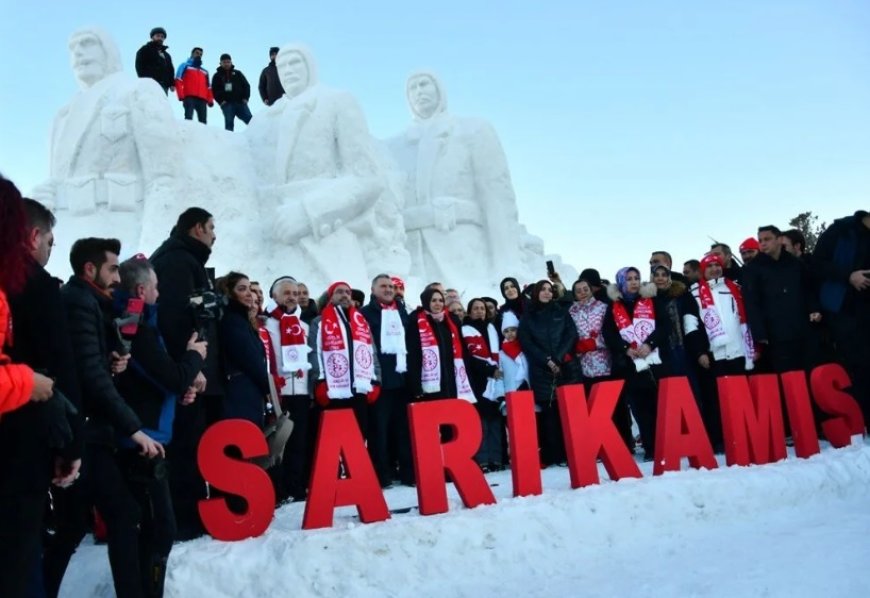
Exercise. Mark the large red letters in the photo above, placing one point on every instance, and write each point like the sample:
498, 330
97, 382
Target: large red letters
589, 431
679, 429
339, 438
800, 414
828, 382
752, 424
523, 446
432, 458
247, 480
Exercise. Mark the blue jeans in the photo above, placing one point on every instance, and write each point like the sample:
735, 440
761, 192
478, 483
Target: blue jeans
198, 104
233, 109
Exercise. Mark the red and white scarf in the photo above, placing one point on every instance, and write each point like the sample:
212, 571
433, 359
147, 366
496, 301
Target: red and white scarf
712, 319
430, 377
332, 349
637, 329
393, 336
294, 345
486, 350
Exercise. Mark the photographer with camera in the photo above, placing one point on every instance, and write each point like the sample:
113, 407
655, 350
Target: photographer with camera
152, 385
87, 298
41, 442
188, 304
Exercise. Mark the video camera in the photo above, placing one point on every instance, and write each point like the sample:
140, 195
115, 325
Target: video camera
207, 306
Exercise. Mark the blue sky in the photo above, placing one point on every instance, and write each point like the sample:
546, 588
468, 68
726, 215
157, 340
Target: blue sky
629, 126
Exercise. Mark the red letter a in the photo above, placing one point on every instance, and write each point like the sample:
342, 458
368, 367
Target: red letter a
523, 435
679, 429
589, 431
339, 438
751, 419
236, 477
828, 382
431, 457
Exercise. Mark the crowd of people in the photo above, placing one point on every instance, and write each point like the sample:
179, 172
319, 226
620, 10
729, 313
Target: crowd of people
109, 380
198, 91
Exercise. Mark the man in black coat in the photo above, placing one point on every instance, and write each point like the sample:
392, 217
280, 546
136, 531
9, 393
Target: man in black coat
388, 416
780, 303
231, 91
180, 266
841, 261
154, 62
39, 442
271, 89
88, 302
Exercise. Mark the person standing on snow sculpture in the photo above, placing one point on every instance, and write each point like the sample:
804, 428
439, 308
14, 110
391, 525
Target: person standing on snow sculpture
270, 83
154, 62
459, 197
113, 147
334, 212
344, 364
193, 88
231, 91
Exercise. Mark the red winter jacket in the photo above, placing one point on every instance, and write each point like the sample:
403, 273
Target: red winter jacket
191, 81
16, 380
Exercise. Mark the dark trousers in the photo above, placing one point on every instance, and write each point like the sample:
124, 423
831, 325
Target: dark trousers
186, 484
290, 477
103, 486
550, 435
21, 517
492, 423
388, 427
197, 105
232, 110
641, 393
853, 351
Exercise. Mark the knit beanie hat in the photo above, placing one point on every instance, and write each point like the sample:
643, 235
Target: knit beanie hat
157, 30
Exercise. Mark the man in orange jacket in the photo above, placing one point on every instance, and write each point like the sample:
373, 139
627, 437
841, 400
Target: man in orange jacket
193, 87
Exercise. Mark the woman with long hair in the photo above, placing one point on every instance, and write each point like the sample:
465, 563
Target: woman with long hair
547, 337
244, 356
482, 355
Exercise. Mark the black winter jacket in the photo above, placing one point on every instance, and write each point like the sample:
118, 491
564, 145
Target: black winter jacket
89, 316
152, 373
42, 341
623, 366
779, 298
843, 248
445, 351
239, 90
151, 65
245, 361
478, 370
372, 312
180, 266
271, 89
676, 345
548, 332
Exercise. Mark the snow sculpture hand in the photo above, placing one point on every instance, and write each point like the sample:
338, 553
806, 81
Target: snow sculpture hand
46, 194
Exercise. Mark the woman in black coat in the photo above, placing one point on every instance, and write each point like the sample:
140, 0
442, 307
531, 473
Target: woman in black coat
244, 356
547, 336
444, 326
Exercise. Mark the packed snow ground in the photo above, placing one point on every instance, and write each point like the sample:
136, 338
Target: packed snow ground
794, 528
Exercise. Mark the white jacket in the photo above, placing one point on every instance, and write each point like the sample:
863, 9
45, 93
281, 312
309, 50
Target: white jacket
731, 345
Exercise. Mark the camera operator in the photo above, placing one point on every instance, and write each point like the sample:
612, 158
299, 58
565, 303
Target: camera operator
88, 302
180, 266
152, 385
40, 442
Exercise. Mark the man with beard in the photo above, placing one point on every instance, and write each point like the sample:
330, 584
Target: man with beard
154, 62
288, 363
87, 298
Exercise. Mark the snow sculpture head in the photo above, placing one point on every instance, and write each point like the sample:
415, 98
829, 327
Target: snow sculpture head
93, 55
425, 94
296, 69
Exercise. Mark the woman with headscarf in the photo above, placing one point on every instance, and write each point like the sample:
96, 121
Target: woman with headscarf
513, 297
633, 334
481, 360
436, 366
547, 337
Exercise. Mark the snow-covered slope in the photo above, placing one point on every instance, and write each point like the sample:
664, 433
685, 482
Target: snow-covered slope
795, 528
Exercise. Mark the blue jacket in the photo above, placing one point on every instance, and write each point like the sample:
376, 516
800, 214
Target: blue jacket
244, 357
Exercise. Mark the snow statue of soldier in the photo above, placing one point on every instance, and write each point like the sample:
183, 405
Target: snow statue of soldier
111, 146
460, 208
327, 196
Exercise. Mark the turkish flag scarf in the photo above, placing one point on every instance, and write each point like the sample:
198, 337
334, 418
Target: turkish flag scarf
334, 358
713, 319
637, 329
294, 346
430, 378
486, 350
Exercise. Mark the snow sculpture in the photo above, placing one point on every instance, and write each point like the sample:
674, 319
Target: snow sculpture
460, 208
325, 191
111, 146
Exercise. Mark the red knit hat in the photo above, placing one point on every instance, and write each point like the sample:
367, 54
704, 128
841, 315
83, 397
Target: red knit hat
334, 286
711, 258
749, 244
398, 283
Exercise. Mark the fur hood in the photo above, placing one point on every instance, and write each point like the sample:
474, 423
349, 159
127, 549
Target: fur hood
647, 290
676, 289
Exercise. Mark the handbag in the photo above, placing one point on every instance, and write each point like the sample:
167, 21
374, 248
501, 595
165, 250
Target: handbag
277, 433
